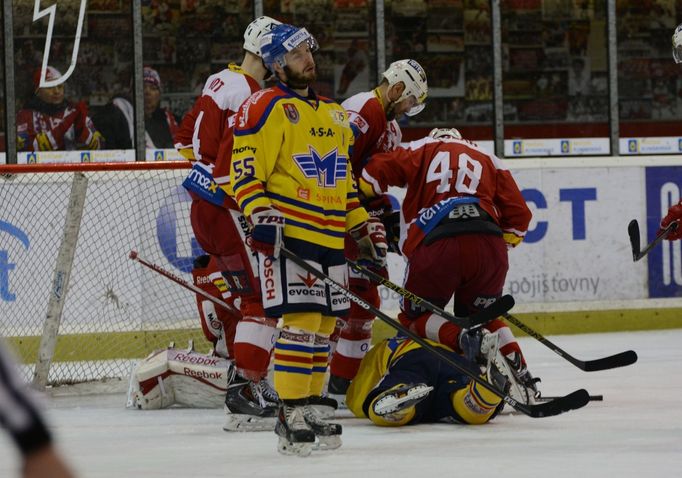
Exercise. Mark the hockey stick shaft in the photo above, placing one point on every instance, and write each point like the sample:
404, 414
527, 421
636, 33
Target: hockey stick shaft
593, 398
180, 281
633, 232
613, 361
572, 401
503, 304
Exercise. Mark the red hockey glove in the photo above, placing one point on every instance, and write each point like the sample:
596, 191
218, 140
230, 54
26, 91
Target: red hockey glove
674, 215
266, 236
382, 208
371, 239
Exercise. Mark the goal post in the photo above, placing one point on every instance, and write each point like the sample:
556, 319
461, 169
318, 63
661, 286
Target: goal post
72, 304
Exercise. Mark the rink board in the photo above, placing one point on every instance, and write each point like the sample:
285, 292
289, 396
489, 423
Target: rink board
574, 271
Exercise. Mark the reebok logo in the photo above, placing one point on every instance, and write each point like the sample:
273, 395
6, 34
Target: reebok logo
202, 374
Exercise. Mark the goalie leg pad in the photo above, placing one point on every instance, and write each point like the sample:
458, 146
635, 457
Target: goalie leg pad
179, 377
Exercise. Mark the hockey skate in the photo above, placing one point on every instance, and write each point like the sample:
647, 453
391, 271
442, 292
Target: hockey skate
398, 398
296, 437
328, 434
524, 386
337, 388
250, 406
325, 406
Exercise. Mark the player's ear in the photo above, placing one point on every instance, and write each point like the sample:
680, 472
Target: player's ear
395, 91
279, 72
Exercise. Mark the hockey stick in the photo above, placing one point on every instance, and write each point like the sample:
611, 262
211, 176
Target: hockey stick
633, 232
612, 361
593, 398
572, 401
179, 280
497, 308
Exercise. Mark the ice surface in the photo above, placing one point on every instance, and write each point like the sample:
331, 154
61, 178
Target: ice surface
636, 431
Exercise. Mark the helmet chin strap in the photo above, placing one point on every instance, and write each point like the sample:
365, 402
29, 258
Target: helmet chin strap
390, 107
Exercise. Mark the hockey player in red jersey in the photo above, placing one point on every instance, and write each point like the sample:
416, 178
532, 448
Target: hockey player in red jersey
205, 138
373, 118
462, 212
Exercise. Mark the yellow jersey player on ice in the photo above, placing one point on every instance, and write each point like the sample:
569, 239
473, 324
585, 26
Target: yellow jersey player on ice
401, 383
291, 177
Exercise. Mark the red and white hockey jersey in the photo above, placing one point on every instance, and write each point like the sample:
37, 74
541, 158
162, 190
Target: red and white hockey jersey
440, 174
373, 132
208, 124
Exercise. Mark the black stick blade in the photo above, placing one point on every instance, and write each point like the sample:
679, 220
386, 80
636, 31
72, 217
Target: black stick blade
622, 359
500, 307
633, 232
572, 401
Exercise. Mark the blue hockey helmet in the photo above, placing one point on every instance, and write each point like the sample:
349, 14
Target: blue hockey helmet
281, 40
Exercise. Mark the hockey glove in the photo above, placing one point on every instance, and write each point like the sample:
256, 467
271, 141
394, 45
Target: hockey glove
381, 207
674, 215
371, 239
266, 236
511, 239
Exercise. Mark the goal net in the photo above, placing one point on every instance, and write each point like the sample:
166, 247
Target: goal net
73, 306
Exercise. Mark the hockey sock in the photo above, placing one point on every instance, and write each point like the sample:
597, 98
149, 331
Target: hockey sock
354, 342
508, 343
294, 352
474, 404
321, 355
433, 327
253, 343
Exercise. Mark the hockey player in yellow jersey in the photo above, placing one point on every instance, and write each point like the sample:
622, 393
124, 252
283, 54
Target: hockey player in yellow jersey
401, 383
291, 177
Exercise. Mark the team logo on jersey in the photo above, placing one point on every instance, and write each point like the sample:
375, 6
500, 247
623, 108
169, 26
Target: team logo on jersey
291, 112
338, 117
327, 169
358, 121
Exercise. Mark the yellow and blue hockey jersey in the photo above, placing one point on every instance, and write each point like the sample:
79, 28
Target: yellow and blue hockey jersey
292, 152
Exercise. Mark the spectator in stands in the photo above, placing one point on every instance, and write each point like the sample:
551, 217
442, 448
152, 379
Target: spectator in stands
49, 122
25, 424
117, 124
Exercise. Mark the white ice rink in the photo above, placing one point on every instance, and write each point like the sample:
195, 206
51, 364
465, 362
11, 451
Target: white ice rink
635, 432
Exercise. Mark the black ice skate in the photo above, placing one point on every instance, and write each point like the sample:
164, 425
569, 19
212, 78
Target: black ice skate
296, 437
337, 388
328, 434
325, 406
249, 406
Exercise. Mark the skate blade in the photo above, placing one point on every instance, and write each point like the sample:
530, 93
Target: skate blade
285, 447
248, 423
390, 403
327, 443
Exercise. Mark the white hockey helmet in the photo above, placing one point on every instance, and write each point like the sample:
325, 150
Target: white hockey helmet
677, 44
445, 134
255, 31
414, 77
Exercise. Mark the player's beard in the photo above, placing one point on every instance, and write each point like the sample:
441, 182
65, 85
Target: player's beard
390, 111
300, 81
